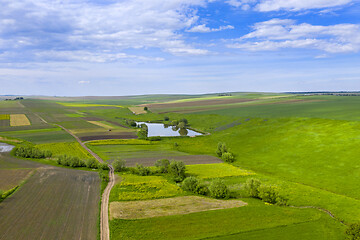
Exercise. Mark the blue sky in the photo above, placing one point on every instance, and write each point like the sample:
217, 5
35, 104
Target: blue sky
126, 47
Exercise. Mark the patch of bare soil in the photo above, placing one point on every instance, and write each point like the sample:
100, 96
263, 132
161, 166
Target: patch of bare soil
103, 137
188, 160
169, 206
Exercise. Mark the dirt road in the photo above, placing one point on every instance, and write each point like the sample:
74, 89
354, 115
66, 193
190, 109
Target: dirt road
104, 215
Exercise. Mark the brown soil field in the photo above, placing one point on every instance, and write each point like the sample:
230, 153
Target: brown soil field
188, 160
19, 120
9, 162
137, 110
54, 203
125, 135
92, 119
169, 206
10, 178
198, 103
4, 123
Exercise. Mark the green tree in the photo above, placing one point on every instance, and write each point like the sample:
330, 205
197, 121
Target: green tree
190, 184
221, 149
252, 187
162, 165
145, 108
119, 165
218, 189
177, 170
228, 157
166, 118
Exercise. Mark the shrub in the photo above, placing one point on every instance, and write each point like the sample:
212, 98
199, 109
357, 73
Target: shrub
141, 170
156, 138
221, 149
104, 176
145, 108
91, 163
268, 193
119, 165
31, 152
175, 122
252, 187
184, 120
166, 118
218, 189
190, 184
202, 189
181, 125
177, 171
353, 231
103, 166
162, 165
228, 157
70, 161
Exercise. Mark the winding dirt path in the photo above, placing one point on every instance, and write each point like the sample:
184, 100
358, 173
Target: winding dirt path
104, 215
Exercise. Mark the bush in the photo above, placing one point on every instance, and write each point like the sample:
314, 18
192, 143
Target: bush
353, 231
91, 163
202, 189
177, 171
145, 108
70, 161
228, 157
252, 187
162, 165
218, 189
268, 193
221, 149
119, 165
141, 170
156, 138
31, 152
103, 166
104, 176
175, 122
190, 184
166, 118
184, 120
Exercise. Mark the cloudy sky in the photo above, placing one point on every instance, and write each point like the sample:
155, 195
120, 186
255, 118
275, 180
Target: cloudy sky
126, 47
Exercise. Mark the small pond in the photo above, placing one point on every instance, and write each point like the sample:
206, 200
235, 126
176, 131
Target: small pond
162, 130
5, 147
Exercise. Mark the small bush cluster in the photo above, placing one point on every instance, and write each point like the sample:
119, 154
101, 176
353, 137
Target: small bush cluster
142, 134
223, 152
141, 170
162, 165
32, 152
7, 193
193, 184
267, 193
218, 189
70, 161
119, 165
353, 231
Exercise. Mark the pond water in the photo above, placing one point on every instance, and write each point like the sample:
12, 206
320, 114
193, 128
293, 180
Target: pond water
5, 147
159, 129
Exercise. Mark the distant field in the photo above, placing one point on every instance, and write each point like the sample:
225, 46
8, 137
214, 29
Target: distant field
4, 116
19, 120
85, 105
10, 178
137, 110
186, 159
41, 135
53, 204
102, 124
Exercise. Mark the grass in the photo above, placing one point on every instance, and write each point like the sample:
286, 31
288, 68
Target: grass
133, 187
102, 124
137, 110
217, 170
86, 105
119, 142
74, 115
254, 217
19, 120
39, 136
68, 148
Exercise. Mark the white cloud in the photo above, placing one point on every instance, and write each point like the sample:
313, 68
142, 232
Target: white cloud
204, 29
285, 33
32, 26
84, 82
297, 5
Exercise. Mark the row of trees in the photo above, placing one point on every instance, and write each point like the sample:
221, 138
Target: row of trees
224, 153
32, 152
75, 162
217, 188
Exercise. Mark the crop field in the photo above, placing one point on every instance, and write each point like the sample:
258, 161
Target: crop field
169, 206
4, 117
133, 187
40, 135
68, 148
85, 105
19, 120
10, 178
102, 124
127, 151
53, 204
218, 170
137, 110
186, 159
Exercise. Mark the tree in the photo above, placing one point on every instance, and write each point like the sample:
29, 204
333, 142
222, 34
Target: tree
228, 157
166, 118
353, 231
252, 187
145, 108
268, 193
119, 165
218, 189
221, 148
91, 163
190, 184
184, 120
162, 165
177, 170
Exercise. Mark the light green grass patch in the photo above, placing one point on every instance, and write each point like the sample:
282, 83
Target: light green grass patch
216, 170
80, 105
120, 142
68, 148
4, 116
74, 115
133, 187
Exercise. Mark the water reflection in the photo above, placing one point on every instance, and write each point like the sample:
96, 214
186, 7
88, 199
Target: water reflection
164, 130
6, 147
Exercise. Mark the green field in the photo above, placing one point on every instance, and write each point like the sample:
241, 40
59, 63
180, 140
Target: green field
66, 148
